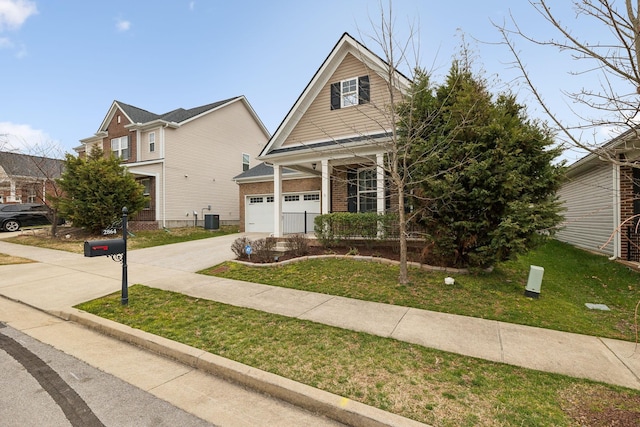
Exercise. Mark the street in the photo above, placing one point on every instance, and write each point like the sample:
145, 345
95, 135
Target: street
44, 386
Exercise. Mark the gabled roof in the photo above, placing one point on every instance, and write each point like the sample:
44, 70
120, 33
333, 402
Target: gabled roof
23, 165
345, 45
140, 117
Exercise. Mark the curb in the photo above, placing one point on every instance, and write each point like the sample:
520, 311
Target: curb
318, 401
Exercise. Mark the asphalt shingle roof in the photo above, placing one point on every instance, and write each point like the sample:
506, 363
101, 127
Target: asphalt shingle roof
23, 165
138, 115
261, 170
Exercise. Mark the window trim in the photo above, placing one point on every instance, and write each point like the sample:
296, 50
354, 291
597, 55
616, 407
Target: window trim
152, 142
246, 162
352, 95
120, 150
372, 191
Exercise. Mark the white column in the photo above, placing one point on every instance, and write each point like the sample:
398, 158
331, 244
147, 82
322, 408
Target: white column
326, 187
380, 183
277, 200
12, 191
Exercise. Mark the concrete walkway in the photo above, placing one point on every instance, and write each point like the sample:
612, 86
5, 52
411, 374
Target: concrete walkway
61, 280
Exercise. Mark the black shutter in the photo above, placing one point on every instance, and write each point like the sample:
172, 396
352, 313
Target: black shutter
363, 90
352, 191
335, 96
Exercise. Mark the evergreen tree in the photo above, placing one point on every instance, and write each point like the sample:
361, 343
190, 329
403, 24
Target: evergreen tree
95, 189
489, 194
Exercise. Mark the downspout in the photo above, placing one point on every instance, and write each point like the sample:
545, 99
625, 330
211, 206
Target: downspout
617, 220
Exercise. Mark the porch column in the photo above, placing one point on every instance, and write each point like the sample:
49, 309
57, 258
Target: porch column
277, 200
380, 183
12, 191
326, 187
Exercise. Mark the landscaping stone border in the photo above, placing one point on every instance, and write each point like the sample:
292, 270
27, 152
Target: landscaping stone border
357, 258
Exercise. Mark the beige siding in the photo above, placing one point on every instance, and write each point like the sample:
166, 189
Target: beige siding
589, 216
319, 122
202, 157
144, 154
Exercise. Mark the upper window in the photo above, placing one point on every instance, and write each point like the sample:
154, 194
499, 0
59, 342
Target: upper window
350, 92
120, 147
245, 162
152, 142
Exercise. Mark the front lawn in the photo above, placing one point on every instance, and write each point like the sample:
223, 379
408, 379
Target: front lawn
572, 277
431, 386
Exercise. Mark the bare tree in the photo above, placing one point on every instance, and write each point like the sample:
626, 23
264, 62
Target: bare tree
610, 59
35, 170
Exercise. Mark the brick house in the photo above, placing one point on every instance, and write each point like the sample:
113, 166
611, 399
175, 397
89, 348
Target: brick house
185, 159
28, 179
602, 201
327, 154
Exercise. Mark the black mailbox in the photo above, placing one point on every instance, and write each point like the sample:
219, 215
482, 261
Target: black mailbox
104, 247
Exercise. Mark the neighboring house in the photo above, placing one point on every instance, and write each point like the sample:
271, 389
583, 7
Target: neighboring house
28, 179
602, 201
327, 154
185, 159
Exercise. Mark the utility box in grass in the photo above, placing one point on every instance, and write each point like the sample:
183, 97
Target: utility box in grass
535, 282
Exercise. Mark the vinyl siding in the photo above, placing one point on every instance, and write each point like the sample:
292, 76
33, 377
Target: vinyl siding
202, 157
320, 123
143, 153
589, 216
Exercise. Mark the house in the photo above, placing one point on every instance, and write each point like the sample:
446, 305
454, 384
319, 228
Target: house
185, 159
601, 197
28, 179
327, 154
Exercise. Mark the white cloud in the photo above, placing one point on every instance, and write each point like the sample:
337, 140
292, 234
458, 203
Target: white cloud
5, 43
13, 13
23, 138
123, 25
192, 5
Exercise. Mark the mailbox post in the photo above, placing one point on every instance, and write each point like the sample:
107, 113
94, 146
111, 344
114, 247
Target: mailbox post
125, 286
117, 250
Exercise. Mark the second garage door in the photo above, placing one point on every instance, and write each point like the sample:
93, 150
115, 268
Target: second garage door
259, 212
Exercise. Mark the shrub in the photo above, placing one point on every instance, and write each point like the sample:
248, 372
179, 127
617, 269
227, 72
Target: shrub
264, 250
340, 226
238, 247
298, 244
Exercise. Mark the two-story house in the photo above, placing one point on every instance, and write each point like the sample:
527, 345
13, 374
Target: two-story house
185, 159
328, 153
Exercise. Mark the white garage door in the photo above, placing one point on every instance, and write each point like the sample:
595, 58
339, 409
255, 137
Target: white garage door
259, 212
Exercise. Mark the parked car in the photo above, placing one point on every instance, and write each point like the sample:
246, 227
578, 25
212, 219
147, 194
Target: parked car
15, 216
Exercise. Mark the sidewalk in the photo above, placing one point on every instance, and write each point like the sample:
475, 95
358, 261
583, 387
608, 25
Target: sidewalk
61, 280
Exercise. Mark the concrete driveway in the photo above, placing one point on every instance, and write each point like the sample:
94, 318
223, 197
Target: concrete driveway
190, 256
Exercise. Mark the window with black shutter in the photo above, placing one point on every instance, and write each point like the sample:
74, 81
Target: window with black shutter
350, 92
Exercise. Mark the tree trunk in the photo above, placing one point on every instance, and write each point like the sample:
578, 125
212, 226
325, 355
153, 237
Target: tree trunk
403, 277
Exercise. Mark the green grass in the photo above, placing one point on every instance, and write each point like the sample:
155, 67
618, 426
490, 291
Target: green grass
435, 387
572, 277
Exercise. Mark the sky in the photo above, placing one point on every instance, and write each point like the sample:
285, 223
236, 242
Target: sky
64, 62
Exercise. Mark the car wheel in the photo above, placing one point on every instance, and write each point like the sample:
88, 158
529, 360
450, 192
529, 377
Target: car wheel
11, 225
